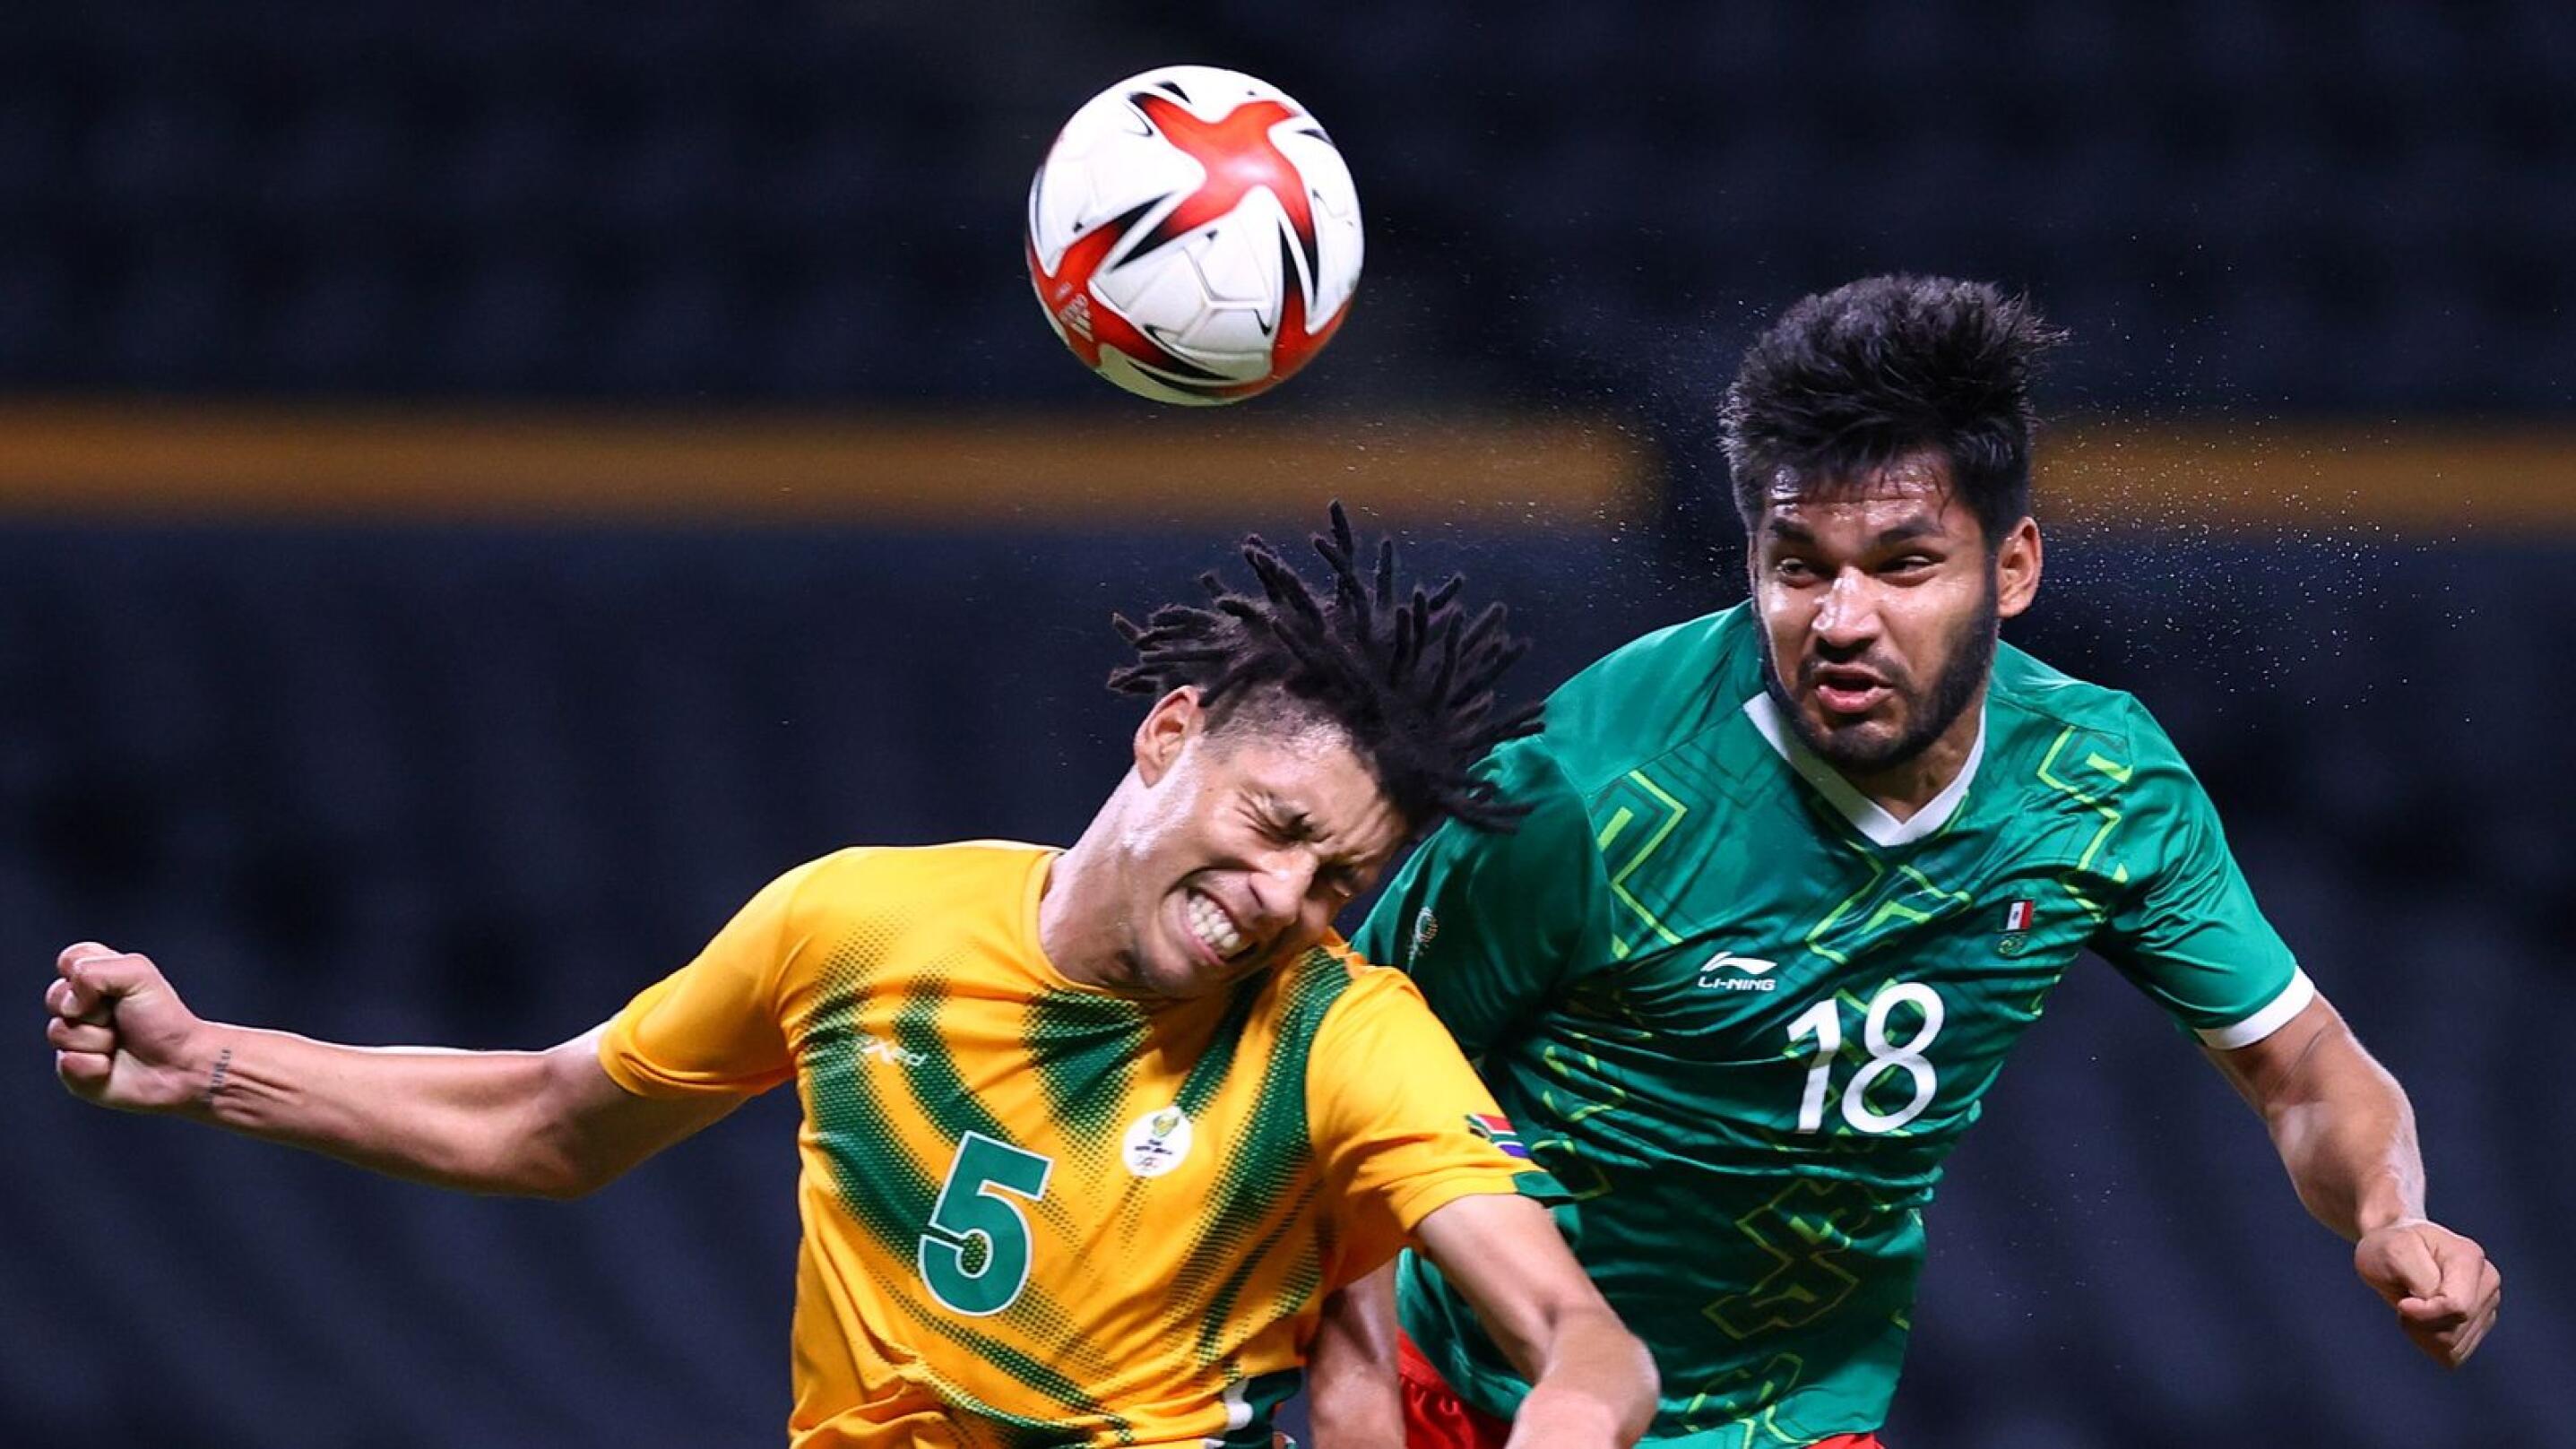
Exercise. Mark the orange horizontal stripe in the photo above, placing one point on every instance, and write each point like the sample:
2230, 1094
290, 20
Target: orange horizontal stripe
2427, 479
128, 461
138, 461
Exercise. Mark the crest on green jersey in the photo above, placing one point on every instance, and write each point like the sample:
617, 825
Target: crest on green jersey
2018, 918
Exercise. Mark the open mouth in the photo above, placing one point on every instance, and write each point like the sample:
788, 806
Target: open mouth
1213, 928
1844, 690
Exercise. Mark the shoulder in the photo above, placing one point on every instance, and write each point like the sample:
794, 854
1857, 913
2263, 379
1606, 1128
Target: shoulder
2025, 683
2080, 749
1554, 834
2038, 700
1323, 1007
1528, 772
867, 880
1651, 695
1341, 993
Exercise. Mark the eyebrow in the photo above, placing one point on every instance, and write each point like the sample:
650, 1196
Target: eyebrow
1289, 816
1913, 528
1297, 822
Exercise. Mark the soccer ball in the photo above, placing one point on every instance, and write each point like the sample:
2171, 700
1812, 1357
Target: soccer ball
1193, 235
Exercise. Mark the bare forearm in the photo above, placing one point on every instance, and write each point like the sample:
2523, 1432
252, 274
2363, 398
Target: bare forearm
2347, 1135
2340, 1122
1591, 1359
551, 1123
1351, 1378
464, 1120
1591, 1383
2350, 1149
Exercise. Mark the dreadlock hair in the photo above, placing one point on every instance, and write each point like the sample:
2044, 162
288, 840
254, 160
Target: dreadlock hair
1848, 381
1410, 678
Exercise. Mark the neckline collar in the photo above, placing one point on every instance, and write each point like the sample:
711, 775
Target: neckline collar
1871, 819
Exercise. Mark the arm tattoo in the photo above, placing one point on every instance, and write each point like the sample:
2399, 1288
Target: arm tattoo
215, 1078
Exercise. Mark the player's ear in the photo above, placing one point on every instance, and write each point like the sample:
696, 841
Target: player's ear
1167, 726
2017, 569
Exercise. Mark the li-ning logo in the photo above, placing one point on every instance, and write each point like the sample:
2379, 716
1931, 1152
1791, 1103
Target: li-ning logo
877, 1049
1727, 971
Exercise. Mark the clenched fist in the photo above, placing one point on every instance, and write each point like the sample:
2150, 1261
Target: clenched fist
121, 1036
2445, 1291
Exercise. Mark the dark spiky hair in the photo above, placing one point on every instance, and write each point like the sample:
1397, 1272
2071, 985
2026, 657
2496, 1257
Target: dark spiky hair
1849, 380
1408, 676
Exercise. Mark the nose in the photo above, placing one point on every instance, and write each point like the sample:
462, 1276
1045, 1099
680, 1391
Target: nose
1282, 883
1847, 612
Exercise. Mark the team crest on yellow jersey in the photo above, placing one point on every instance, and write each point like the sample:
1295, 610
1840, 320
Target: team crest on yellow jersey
1157, 1141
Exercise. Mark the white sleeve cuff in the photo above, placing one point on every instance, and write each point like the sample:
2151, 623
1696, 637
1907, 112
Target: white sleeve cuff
2294, 998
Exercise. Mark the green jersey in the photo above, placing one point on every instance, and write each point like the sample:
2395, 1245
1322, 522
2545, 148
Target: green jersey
1742, 1013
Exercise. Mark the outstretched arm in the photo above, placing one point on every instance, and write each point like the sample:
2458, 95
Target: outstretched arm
2347, 1135
541, 1124
1591, 1382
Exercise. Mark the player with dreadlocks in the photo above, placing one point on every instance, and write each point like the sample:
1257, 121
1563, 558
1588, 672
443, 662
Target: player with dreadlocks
1091, 1135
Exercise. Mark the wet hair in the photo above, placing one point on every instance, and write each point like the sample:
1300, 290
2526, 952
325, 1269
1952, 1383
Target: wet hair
1849, 380
1408, 676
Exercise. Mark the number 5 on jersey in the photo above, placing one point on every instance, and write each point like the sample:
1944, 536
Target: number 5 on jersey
975, 1254
1824, 1022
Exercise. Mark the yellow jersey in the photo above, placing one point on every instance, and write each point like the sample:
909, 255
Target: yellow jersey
1039, 1213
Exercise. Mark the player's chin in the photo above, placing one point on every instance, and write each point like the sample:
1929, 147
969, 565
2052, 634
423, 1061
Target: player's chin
1873, 728
1180, 970
1863, 741
1188, 975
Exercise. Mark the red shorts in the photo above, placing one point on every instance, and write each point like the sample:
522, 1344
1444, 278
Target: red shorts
1436, 1418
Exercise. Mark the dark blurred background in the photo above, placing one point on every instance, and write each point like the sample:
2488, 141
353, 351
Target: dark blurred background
484, 486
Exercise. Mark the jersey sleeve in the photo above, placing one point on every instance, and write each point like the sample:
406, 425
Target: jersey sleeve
2188, 932
1493, 925
1400, 1124
716, 1025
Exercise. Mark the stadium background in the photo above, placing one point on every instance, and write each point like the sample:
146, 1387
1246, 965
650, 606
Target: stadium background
483, 486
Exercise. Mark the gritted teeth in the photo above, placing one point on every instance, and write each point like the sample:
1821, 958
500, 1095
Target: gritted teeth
1213, 927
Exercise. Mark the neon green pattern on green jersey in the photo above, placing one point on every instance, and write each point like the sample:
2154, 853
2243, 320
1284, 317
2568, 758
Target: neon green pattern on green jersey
1742, 1017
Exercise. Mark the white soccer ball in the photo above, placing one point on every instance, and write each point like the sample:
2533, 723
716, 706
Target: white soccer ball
1193, 235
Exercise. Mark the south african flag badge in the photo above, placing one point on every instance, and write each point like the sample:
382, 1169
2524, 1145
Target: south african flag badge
1497, 1129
